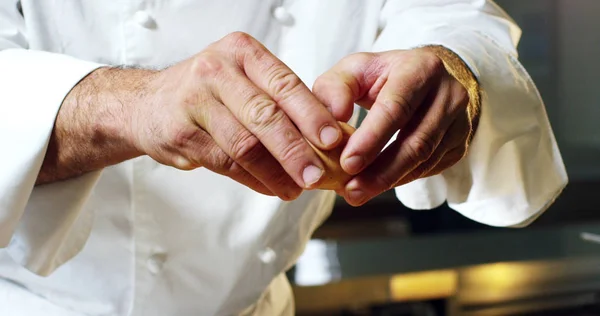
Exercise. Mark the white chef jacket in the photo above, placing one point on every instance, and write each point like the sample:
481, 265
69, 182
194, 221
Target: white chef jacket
140, 238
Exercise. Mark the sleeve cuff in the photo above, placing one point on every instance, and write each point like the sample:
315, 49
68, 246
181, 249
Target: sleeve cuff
35, 84
514, 170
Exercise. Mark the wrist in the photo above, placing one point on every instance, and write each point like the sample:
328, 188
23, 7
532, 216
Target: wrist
110, 98
95, 118
458, 69
93, 127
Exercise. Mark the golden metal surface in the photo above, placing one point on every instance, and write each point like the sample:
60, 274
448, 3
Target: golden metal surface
423, 286
482, 290
490, 283
384, 289
351, 293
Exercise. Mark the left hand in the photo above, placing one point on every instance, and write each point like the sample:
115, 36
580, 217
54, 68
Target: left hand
408, 90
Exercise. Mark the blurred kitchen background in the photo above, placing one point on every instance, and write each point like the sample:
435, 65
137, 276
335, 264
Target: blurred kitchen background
384, 259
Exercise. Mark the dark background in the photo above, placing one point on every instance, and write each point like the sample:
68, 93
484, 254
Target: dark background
560, 48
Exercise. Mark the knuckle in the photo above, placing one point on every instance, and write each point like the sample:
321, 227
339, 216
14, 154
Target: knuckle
243, 46
293, 147
432, 64
207, 64
182, 137
322, 82
291, 191
246, 148
221, 162
282, 82
430, 68
231, 167
234, 168
360, 59
422, 78
327, 85
396, 107
385, 182
282, 183
262, 112
240, 39
182, 163
421, 147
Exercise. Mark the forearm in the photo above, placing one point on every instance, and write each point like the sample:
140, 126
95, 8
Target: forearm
93, 126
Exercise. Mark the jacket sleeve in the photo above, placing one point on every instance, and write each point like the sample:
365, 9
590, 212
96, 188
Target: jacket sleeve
40, 227
514, 170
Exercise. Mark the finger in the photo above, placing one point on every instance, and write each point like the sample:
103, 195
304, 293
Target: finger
246, 150
424, 167
288, 91
459, 147
369, 182
450, 159
446, 154
260, 115
404, 91
200, 150
340, 87
335, 92
414, 145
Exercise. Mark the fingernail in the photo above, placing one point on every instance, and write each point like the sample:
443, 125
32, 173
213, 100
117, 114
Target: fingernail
311, 175
329, 135
354, 164
356, 196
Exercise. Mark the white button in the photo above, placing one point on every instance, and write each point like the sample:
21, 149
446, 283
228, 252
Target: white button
267, 255
144, 19
282, 15
156, 262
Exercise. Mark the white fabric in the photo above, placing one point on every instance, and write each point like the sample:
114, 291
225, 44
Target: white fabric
168, 242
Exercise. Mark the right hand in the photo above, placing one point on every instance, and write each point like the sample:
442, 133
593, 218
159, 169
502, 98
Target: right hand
237, 110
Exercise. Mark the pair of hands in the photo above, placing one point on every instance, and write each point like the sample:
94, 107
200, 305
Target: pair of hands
237, 110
